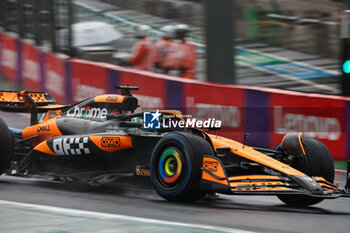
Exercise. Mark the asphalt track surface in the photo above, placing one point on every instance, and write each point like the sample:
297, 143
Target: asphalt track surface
117, 207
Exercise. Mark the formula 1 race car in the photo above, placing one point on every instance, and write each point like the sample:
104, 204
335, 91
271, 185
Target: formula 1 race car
102, 138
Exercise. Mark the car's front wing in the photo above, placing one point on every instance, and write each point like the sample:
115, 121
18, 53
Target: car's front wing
215, 179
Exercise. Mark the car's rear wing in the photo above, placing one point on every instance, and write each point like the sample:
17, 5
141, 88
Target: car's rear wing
17, 100
28, 101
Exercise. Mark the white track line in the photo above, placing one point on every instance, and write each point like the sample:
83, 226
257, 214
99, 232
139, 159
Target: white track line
106, 216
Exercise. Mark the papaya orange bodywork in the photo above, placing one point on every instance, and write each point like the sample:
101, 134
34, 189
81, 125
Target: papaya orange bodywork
237, 184
10, 96
264, 189
44, 148
112, 143
109, 98
256, 183
216, 169
301, 144
253, 155
299, 139
44, 131
52, 107
14, 97
52, 114
254, 177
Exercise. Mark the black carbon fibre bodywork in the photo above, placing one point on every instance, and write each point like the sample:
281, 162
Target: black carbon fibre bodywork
91, 161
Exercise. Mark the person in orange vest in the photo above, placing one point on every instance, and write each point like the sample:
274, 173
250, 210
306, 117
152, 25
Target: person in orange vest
141, 50
183, 55
161, 50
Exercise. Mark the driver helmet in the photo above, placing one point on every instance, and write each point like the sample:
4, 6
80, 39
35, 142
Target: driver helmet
167, 31
142, 31
181, 30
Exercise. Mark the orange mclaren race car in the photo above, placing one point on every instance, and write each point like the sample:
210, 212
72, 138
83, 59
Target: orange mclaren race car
102, 138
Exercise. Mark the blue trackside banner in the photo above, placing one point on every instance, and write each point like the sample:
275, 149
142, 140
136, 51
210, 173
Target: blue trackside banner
174, 95
42, 68
68, 82
19, 62
113, 81
257, 118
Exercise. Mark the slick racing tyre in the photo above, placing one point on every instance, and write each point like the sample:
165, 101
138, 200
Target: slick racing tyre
176, 164
317, 161
6, 146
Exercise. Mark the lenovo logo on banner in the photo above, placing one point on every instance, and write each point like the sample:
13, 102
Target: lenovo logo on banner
312, 126
31, 70
229, 115
85, 91
54, 82
150, 101
9, 59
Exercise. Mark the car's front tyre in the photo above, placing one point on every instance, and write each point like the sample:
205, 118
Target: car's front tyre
317, 161
176, 164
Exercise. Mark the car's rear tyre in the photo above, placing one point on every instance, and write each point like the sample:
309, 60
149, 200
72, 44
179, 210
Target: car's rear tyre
317, 161
6, 146
176, 164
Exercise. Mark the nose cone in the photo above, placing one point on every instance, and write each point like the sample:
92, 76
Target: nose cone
308, 183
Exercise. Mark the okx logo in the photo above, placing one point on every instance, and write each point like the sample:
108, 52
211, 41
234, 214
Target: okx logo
151, 120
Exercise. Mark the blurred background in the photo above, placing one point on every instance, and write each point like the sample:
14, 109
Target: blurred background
287, 44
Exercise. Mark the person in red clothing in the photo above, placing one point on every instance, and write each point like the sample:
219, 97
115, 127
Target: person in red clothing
183, 55
161, 50
141, 50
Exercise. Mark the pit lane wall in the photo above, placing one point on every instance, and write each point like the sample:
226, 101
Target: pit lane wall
265, 114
